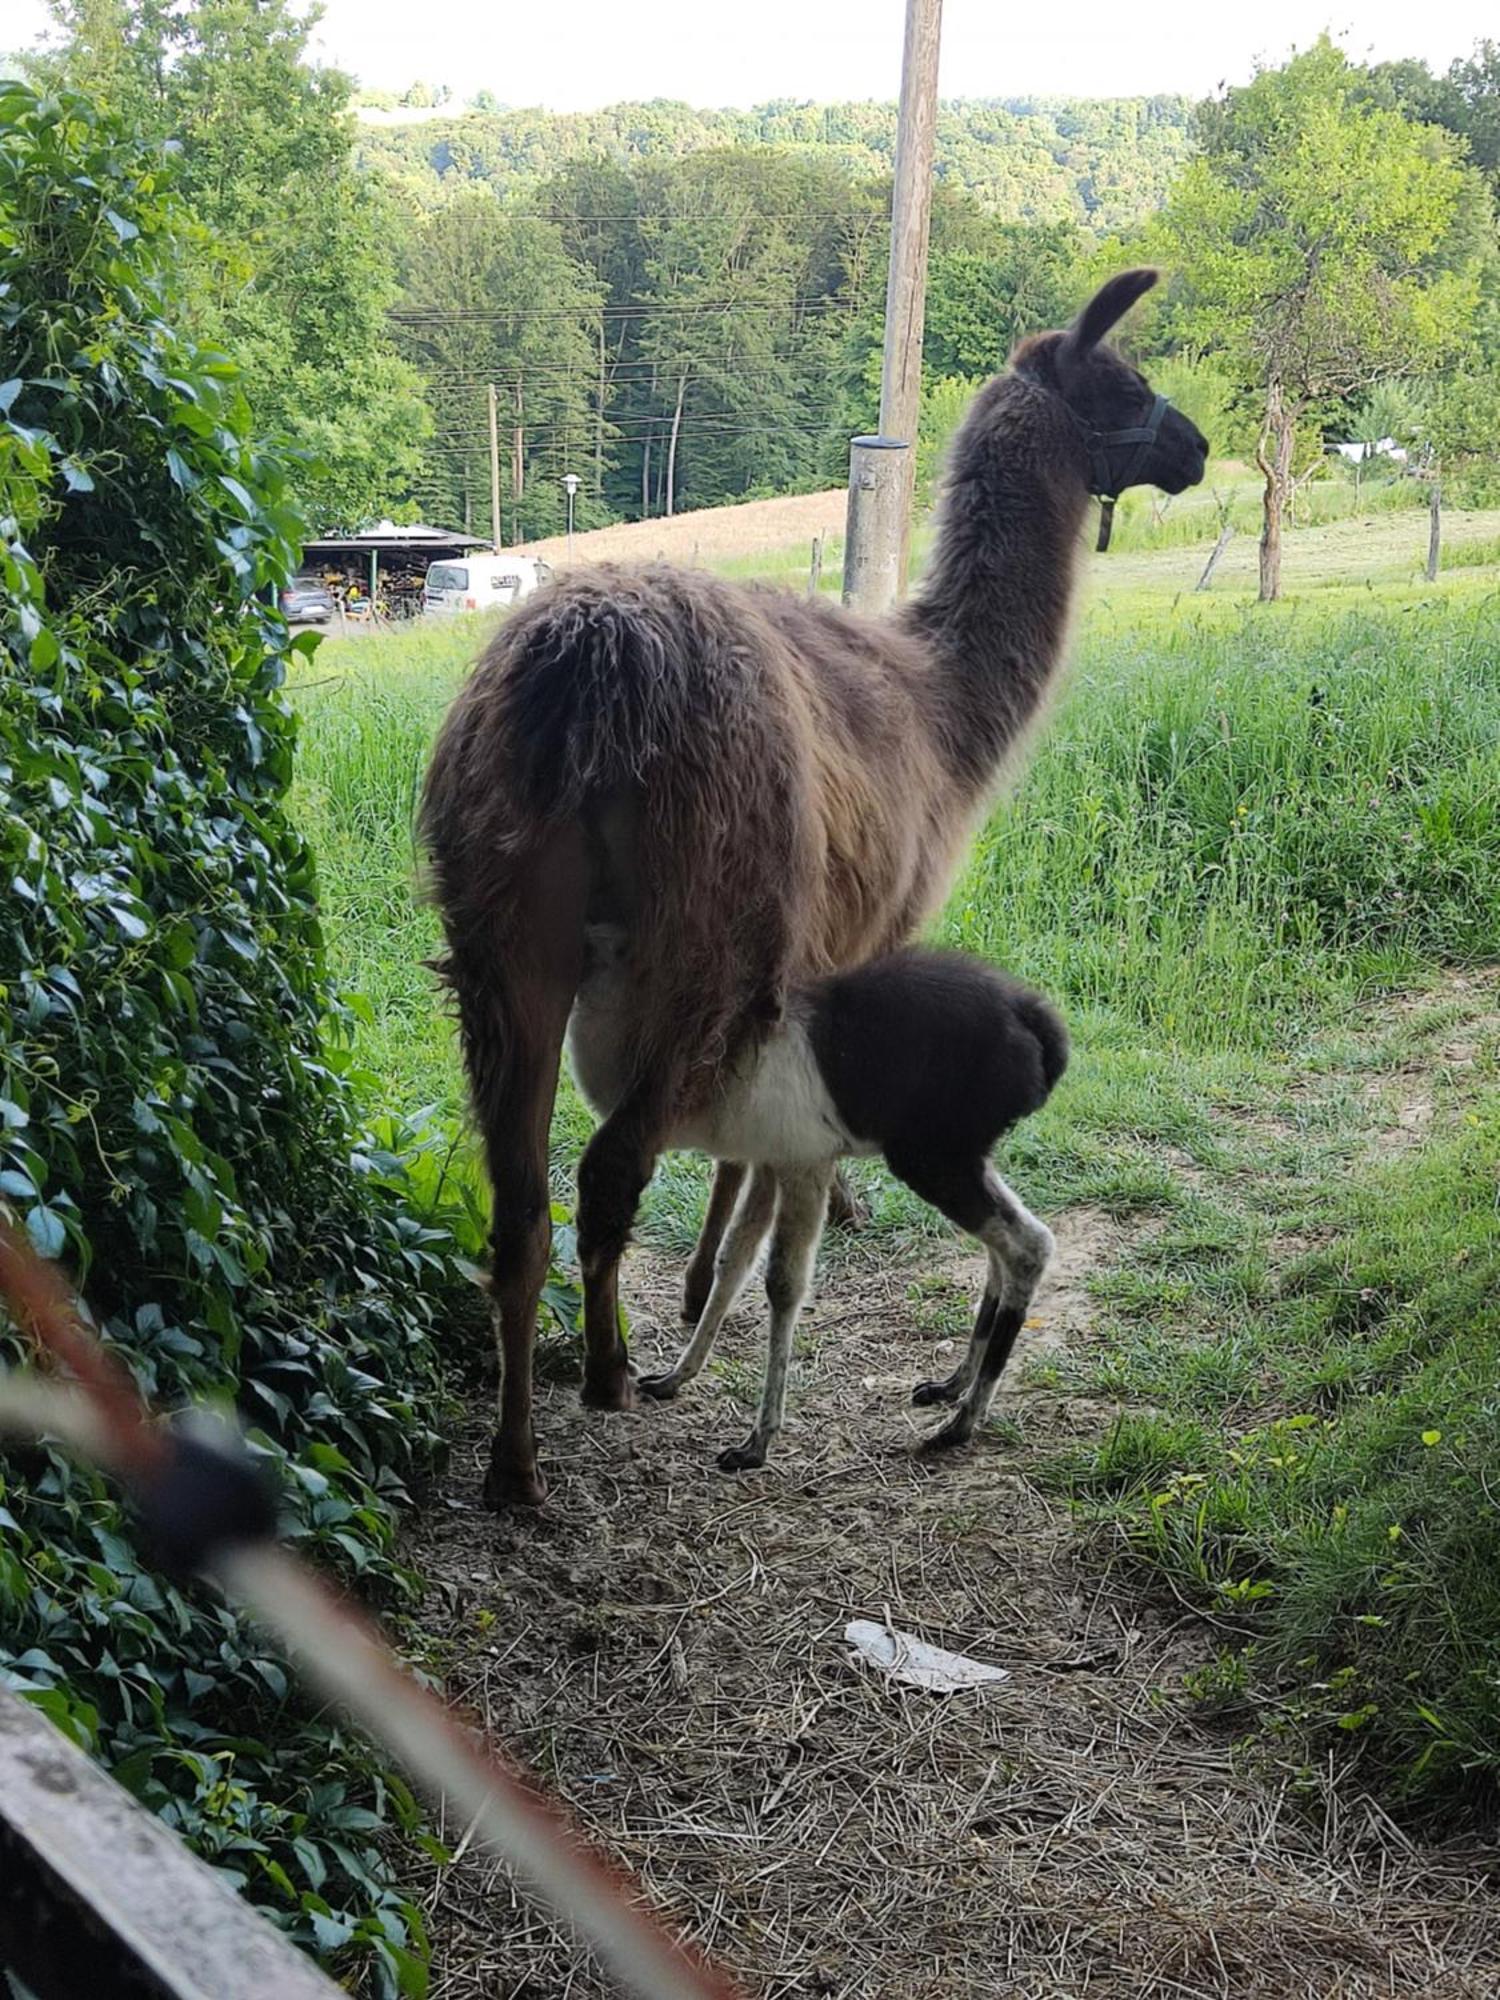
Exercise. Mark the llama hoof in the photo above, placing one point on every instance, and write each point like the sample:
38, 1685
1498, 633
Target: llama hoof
946, 1439
933, 1392
660, 1388
512, 1486
615, 1391
742, 1457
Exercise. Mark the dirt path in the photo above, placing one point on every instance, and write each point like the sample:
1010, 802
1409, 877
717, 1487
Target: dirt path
664, 1645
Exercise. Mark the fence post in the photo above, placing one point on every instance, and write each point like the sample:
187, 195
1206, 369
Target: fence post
878, 487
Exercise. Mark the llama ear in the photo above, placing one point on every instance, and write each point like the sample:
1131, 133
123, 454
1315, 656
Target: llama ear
1107, 307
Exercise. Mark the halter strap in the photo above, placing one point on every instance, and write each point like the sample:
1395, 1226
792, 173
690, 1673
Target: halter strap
1105, 486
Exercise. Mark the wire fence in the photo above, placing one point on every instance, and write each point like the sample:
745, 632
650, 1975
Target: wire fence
206, 1511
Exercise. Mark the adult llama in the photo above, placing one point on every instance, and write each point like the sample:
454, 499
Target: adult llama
753, 789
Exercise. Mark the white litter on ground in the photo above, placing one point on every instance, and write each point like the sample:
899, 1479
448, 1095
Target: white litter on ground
903, 1657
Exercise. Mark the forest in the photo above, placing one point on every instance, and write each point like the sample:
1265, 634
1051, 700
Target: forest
684, 307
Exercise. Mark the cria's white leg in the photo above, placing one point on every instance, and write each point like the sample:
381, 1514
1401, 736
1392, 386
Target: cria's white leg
953, 1388
1020, 1247
800, 1213
736, 1255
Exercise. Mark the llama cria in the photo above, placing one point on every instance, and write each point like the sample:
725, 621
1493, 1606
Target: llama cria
756, 789
926, 1058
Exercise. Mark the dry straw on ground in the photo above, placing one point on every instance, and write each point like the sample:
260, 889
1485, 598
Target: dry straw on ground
664, 1645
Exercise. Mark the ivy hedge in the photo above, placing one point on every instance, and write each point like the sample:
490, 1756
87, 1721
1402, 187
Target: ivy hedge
177, 1119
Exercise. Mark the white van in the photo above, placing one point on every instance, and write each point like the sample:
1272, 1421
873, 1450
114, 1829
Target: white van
481, 581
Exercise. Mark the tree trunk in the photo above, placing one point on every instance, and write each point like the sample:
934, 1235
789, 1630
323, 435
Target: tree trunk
518, 455
672, 448
1434, 526
1280, 428
646, 476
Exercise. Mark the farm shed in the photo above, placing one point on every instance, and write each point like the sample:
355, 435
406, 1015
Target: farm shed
384, 564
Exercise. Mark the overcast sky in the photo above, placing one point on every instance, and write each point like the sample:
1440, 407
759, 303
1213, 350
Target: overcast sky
577, 54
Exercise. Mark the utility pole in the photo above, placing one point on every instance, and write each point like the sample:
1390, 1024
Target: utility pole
494, 471
883, 480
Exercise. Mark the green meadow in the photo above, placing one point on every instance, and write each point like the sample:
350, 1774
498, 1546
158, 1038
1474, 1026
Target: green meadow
1255, 854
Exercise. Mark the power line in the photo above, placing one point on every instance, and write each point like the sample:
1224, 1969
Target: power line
639, 309
562, 435
658, 216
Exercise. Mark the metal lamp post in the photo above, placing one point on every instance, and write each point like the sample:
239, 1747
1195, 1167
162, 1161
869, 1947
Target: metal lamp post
571, 483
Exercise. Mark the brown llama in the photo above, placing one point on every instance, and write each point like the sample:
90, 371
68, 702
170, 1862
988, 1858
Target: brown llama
756, 789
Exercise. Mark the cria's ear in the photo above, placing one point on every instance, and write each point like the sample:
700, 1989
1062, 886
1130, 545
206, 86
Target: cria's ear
1107, 307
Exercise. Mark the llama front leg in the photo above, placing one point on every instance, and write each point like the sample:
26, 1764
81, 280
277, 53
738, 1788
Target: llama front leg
732, 1265
1020, 1247
800, 1212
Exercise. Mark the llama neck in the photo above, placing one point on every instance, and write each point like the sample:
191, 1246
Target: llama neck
993, 605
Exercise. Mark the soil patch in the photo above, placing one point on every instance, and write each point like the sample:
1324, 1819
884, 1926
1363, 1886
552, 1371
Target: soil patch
663, 1645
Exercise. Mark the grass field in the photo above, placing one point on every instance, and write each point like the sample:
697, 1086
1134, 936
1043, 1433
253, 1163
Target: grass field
1256, 855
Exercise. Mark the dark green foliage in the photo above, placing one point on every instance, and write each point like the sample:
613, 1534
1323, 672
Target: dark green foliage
294, 264
176, 1126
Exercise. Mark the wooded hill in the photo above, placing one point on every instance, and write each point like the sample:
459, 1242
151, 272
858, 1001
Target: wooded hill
1105, 163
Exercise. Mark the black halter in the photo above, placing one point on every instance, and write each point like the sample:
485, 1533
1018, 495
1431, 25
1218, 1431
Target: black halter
1106, 486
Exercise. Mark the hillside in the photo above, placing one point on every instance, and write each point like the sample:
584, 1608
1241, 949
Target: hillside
711, 535
1101, 162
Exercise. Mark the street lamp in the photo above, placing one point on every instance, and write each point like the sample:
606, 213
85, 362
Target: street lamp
570, 482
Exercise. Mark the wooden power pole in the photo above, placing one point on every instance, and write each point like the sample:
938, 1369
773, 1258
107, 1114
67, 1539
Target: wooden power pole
494, 471
882, 479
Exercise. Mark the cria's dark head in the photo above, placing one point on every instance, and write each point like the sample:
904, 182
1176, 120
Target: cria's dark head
1129, 436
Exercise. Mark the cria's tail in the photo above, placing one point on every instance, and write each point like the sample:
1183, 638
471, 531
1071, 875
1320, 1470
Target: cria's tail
1051, 1034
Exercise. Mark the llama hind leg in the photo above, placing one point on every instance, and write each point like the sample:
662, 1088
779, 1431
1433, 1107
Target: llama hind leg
698, 1283
612, 1175
953, 1388
1020, 1248
512, 1038
800, 1211
752, 1218
973, 1195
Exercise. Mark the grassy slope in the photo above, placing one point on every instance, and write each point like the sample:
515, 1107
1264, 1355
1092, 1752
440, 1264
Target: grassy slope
1242, 828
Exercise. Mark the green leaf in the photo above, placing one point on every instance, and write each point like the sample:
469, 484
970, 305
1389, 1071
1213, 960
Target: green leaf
45, 1228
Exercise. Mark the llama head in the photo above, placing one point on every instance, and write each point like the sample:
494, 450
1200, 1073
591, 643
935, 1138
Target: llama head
1132, 437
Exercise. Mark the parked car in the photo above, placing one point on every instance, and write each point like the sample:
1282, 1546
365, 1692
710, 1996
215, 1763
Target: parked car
306, 601
480, 582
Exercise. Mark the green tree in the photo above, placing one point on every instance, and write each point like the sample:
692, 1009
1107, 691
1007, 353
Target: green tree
496, 299
1312, 240
1012, 279
1466, 100
293, 270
